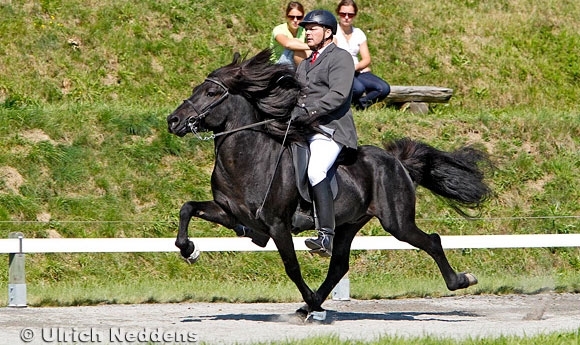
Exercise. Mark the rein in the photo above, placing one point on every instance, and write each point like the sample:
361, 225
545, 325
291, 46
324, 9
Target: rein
194, 120
213, 136
259, 210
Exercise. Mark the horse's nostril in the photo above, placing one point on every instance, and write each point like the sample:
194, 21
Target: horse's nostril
171, 119
172, 122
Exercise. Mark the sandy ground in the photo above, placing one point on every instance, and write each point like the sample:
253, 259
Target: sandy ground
225, 323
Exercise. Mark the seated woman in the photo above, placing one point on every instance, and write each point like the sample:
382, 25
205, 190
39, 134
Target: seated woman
367, 87
287, 40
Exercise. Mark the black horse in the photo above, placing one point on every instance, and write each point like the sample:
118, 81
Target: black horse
246, 105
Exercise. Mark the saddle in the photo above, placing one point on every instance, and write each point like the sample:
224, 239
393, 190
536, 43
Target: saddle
303, 219
300, 157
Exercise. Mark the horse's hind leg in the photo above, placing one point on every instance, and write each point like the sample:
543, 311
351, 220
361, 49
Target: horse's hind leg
399, 220
431, 243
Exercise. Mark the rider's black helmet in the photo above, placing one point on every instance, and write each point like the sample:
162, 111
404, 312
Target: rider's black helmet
322, 18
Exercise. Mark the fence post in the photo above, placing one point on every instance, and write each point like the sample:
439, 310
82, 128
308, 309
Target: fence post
341, 291
16, 275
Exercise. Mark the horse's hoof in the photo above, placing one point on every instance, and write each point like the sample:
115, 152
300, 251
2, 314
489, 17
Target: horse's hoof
300, 316
467, 281
319, 316
297, 318
471, 279
193, 257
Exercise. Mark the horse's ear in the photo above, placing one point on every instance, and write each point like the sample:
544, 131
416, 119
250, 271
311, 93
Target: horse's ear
284, 77
236, 58
287, 81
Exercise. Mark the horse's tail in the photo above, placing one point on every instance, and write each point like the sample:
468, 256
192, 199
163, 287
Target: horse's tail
457, 175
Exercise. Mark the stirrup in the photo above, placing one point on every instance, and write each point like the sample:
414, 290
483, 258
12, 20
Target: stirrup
321, 251
316, 245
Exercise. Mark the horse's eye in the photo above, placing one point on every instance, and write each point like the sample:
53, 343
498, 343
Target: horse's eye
211, 93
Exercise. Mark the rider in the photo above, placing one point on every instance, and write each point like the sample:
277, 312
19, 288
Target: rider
324, 101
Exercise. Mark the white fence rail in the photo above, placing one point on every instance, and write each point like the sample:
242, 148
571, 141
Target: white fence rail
17, 247
221, 244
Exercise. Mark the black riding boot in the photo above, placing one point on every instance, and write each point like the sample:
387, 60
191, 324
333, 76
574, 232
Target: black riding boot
324, 204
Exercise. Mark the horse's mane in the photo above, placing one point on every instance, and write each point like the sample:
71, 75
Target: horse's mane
272, 88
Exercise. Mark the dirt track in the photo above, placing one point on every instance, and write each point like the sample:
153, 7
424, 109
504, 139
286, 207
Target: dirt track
223, 323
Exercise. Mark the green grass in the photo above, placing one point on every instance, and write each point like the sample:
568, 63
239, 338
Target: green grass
84, 92
494, 54
571, 338
193, 287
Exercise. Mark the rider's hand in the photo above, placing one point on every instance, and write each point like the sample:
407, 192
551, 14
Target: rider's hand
299, 113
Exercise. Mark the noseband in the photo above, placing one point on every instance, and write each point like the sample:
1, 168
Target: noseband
194, 121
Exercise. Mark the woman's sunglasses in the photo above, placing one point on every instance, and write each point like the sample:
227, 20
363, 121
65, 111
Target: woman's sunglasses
344, 14
295, 17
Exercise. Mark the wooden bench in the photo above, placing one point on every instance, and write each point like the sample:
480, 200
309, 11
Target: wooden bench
416, 99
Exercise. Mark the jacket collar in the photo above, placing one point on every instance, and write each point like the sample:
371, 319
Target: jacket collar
321, 54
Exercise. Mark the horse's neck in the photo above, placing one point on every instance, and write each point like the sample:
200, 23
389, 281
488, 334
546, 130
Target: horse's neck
245, 151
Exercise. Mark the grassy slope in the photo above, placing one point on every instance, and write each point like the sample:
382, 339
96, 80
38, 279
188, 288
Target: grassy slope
84, 90
495, 54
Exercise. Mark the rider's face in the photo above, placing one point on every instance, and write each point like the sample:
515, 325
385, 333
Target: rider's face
315, 35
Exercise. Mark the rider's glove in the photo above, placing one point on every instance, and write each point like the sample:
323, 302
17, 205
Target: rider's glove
299, 113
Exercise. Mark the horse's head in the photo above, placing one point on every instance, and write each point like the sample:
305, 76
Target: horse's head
237, 94
191, 115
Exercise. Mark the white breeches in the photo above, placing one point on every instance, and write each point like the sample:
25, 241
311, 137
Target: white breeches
323, 153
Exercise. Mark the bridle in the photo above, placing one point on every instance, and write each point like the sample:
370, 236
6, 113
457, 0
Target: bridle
194, 121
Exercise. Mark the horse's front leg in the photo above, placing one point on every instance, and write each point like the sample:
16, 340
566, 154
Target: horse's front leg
287, 253
339, 262
207, 210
